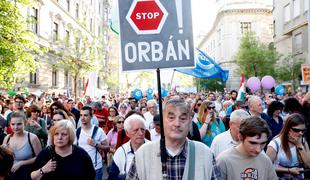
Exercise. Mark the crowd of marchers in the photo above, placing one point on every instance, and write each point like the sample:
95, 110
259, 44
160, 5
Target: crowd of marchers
212, 135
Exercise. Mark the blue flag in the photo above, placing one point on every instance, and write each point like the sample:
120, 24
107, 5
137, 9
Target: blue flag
206, 68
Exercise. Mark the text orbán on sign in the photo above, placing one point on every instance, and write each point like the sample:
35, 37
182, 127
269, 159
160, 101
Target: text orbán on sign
147, 17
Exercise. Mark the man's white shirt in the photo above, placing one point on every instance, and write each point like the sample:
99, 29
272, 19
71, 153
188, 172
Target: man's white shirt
154, 135
148, 120
222, 142
91, 150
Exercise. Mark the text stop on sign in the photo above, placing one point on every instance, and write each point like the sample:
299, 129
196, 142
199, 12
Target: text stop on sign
152, 38
147, 16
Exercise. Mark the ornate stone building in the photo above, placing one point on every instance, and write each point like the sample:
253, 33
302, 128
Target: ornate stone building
233, 19
57, 22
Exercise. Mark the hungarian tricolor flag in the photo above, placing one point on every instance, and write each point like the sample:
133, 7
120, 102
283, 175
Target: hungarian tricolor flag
241, 91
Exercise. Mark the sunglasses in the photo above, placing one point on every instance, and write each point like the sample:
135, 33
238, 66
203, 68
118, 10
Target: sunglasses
211, 107
298, 130
198, 104
120, 122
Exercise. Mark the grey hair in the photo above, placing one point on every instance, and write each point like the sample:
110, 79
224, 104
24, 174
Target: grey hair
133, 118
252, 99
239, 114
153, 101
178, 102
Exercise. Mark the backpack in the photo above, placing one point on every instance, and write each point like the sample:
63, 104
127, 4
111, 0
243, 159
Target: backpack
78, 132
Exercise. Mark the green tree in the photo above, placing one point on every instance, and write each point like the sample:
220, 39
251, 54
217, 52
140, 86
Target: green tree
17, 48
290, 69
255, 58
215, 84
77, 58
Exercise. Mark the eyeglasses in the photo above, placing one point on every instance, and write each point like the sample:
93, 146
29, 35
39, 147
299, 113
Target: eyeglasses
211, 107
124, 107
112, 111
298, 130
120, 122
198, 104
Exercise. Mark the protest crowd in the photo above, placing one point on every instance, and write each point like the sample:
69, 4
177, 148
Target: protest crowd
212, 135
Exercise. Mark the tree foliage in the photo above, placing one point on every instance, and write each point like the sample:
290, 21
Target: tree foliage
255, 58
290, 69
76, 58
215, 84
17, 48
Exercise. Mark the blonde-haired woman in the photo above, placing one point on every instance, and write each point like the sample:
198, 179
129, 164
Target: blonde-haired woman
24, 145
63, 160
209, 125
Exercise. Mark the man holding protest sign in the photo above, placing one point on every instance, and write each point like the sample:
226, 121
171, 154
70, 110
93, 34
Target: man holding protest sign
184, 158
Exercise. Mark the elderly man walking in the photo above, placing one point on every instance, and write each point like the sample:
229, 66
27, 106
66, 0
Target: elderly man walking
135, 130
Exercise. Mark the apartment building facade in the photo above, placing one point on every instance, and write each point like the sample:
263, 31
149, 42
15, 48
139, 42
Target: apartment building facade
59, 22
290, 19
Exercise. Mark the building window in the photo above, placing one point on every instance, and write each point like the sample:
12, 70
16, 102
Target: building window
271, 28
66, 78
274, 28
77, 11
34, 19
91, 25
55, 32
68, 5
298, 43
287, 13
245, 27
296, 4
67, 37
98, 82
77, 43
33, 78
306, 4
54, 77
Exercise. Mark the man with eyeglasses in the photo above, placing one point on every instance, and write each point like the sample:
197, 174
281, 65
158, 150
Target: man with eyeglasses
19, 103
135, 130
151, 112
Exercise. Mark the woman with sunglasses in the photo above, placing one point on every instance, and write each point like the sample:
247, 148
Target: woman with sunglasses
36, 125
209, 125
289, 151
112, 135
58, 105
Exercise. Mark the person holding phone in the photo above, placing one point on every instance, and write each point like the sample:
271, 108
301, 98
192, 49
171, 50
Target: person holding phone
63, 160
290, 151
209, 125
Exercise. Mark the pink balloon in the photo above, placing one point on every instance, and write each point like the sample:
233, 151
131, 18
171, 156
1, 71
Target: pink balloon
267, 82
253, 83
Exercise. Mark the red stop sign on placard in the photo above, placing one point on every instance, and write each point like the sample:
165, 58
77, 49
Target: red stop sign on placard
147, 16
